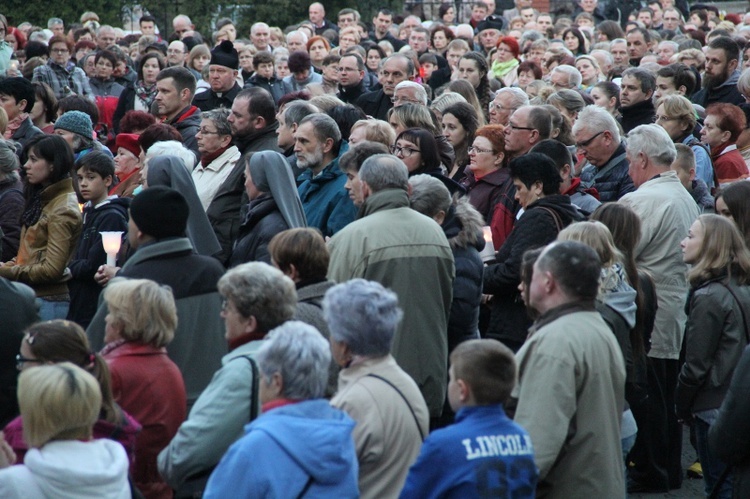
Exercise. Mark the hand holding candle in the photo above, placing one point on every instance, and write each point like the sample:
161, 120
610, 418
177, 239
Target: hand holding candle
111, 242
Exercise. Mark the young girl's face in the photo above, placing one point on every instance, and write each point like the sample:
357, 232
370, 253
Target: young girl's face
691, 245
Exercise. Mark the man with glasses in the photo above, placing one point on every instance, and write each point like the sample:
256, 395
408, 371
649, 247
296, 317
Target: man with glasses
506, 101
527, 126
409, 92
393, 70
598, 138
672, 19
351, 78
176, 54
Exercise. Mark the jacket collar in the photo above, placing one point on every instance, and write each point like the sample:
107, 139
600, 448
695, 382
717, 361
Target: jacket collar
386, 199
159, 248
52, 191
560, 311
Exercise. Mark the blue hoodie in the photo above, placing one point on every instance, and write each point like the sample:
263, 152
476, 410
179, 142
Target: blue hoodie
287, 447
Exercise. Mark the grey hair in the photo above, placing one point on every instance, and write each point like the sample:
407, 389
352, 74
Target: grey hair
9, 163
530, 35
258, 25
429, 196
364, 315
446, 100
259, 290
618, 40
420, 94
324, 126
296, 111
574, 76
296, 32
607, 55
654, 142
597, 119
52, 21
569, 99
384, 171
172, 148
674, 45
518, 97
301, 355
219, 117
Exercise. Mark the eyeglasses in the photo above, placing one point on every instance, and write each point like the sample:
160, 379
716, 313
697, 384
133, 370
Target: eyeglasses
59, 51
497, 107
514, 127
403, 151
175, 51
662, 119
21, 360
224, 305
586, 143
478, 150
203, 131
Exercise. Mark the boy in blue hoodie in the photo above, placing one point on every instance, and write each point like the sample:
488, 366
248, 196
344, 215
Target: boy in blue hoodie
484, 454
95, 172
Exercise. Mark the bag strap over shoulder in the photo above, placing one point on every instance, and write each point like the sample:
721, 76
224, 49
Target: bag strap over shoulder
742, 311
421, 434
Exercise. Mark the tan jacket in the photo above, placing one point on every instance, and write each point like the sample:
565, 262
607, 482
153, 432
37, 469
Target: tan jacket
386, 436
571, 392
47, 246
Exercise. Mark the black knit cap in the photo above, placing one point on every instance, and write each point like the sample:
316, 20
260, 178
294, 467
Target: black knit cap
491, 22
160, 212
225, 55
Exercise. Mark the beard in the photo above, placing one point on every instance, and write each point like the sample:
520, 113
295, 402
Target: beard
311, 160
710, 82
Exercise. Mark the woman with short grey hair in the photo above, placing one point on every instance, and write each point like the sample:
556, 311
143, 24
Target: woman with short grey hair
391, 414
300, 445
11, 201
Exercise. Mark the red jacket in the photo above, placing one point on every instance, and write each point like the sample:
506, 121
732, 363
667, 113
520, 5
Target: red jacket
729, 165
148, 385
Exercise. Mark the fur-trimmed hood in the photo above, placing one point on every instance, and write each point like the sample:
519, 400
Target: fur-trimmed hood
463, 225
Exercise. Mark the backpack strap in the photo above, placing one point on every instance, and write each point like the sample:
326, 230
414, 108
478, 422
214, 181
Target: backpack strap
421, 434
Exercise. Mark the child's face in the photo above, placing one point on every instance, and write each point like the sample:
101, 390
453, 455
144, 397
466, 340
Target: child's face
428, 68
92, 186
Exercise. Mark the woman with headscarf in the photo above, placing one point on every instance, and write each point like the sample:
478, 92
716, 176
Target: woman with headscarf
170, 171
274, 207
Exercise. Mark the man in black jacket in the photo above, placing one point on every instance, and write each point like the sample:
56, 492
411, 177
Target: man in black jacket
720, 79
393, 71
175, 90
351, 78
636, 89
222, 76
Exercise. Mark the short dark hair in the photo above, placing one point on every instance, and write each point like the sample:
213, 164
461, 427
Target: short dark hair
540, 120
106, 54
681, 75
384, 11
345, 117
728, 45
299, 61
643, 31
181, 76
488, 367
331, 59
556, 151
351, 160
78, 103
147, 18
97, 162
55, 150
645, 77
575, 266
357, 58
145, 58
427, 147
536, 167
263, 57
304, 248
158, 132
259, 102
35, 49
20, 89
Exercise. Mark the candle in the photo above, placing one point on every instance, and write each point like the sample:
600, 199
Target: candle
488, 253
111, 242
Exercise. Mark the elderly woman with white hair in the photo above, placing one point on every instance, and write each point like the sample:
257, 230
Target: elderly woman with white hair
300, 444
60, 404
391, 414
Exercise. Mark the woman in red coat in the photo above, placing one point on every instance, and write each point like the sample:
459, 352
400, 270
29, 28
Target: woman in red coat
145, 382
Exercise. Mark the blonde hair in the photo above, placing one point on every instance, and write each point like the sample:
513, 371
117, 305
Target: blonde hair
58, 402
377, 131
145, 310
3, 120
595, 235
678, 107
722, 251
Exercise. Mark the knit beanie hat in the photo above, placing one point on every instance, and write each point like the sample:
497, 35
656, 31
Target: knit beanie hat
491, 22
225, 55
129, 142
76, 122
160, 212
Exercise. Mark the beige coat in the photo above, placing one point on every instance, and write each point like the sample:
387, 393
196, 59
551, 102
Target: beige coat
666, 211
571, 392
386, 436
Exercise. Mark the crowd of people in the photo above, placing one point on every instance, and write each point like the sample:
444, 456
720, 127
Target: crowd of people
417, 257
